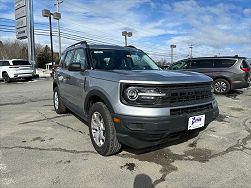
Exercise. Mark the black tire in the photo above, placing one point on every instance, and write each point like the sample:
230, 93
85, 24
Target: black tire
110, 145
6, 78
221, 86
28, 79
59, 107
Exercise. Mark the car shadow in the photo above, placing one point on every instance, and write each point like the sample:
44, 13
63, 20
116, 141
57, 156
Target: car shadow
15, 81
234, 94
142, 181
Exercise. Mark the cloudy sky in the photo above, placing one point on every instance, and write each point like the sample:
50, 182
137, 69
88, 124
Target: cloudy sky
215, 27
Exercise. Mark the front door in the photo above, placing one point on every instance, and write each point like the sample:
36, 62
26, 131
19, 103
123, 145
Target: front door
63, 76
76, 81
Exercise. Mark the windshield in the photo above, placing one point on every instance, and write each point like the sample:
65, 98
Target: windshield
110, 59
20, 62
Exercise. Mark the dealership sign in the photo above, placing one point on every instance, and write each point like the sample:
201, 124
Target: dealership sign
21, 19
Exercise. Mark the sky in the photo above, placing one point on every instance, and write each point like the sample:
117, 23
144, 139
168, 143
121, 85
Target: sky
215, 27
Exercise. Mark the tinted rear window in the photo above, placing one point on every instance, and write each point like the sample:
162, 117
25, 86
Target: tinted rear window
21, 62
244, 64
221, 63
201, 63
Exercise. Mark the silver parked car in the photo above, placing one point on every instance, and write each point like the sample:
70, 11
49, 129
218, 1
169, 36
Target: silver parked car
127, 99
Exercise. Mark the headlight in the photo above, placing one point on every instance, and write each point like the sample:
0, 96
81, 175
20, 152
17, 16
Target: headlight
141, 95
131, 94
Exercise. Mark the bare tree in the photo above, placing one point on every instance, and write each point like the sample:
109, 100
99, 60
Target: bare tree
15, 49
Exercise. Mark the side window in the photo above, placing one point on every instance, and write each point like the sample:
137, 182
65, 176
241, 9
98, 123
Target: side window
68, 58
6, 63
180, 65
202, 63
222, 63
79, 56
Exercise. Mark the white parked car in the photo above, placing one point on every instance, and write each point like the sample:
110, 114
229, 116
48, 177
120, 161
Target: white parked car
15, 69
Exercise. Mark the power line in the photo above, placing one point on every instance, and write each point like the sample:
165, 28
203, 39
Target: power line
74, 37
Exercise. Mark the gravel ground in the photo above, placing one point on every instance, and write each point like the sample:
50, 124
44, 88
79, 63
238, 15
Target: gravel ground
39, 148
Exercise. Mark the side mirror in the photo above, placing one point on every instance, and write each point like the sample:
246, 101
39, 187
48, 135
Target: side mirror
75, 67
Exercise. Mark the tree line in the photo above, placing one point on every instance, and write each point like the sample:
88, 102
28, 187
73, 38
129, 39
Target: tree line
15, 49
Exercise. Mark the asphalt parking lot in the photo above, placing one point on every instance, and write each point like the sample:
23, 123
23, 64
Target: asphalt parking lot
39, 148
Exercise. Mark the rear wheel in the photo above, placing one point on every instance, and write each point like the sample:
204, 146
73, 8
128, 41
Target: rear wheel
28, 79
6, 77
221, 86
59, 107
102, 130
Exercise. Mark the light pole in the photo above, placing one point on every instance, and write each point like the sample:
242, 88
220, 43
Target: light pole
191, 52
59, 35
57, 16
172, 46
126, 34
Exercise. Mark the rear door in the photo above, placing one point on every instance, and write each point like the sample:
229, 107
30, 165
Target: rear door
223, 68
204, 66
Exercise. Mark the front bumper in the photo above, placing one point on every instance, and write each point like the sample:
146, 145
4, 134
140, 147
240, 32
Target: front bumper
143, 132
24, 75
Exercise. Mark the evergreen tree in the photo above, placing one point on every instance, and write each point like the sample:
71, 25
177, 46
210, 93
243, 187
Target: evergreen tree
44, 57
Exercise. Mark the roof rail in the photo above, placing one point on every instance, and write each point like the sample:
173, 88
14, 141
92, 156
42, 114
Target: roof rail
131, 46
79, 43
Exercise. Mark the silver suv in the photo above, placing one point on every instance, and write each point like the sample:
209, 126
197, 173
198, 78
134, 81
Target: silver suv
127, 99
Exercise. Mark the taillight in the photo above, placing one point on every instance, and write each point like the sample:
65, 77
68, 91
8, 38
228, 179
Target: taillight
245, 69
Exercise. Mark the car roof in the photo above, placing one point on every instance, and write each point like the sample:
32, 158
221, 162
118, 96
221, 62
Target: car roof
101, 47
220, 57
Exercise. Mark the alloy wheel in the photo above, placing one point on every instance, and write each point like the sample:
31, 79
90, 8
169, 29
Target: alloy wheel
98, 129
220, 87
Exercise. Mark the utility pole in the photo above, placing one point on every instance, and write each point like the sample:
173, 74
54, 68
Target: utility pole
191, 50
172, 46
58, 2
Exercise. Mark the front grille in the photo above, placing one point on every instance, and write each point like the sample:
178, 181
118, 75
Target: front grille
186, 95
191, 110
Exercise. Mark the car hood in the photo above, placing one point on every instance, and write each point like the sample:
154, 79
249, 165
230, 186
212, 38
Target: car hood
150, 76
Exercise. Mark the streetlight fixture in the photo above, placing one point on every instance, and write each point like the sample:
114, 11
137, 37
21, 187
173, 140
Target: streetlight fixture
56, 16
126, 34
172, 46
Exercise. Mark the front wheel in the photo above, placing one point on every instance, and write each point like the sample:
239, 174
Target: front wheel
28, 79
221, 86
6, 78
57, 102
102, 130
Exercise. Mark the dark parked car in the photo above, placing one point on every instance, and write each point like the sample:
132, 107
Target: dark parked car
228, 73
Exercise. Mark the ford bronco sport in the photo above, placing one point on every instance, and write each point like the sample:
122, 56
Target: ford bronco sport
127, 99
